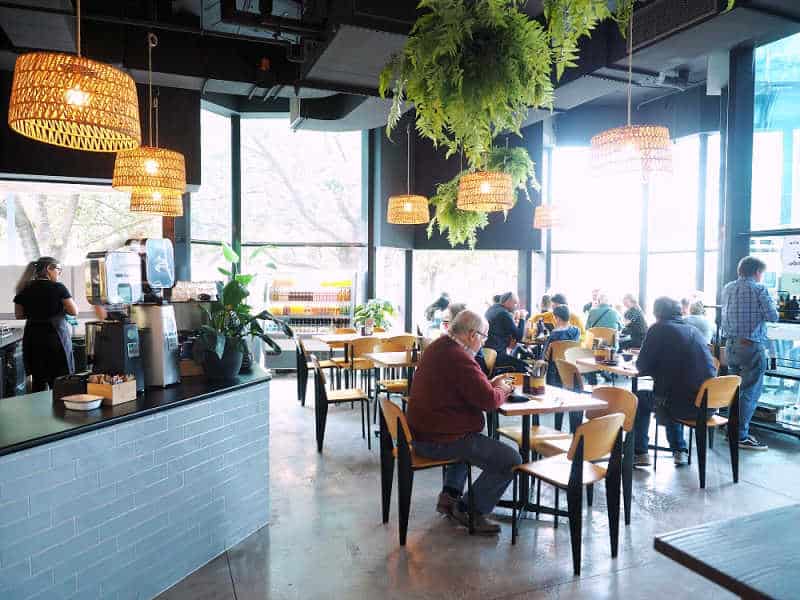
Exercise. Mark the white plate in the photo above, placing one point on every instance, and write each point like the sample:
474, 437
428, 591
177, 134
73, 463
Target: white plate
83, 405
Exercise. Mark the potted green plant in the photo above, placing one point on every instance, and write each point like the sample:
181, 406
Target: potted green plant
228, 322
376, 310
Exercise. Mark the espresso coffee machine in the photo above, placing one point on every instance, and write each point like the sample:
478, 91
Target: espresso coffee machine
154, 317
114, 281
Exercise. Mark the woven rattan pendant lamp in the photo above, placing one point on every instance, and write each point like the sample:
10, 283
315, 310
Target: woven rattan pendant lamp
408, 208
71, 101
638, 149
155, 177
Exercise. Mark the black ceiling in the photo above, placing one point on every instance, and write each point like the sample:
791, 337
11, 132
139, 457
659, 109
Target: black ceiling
256, 51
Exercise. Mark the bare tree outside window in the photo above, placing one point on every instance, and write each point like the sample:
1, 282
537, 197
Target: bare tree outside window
66, 221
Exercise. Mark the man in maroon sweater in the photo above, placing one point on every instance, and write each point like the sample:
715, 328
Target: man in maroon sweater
445, 412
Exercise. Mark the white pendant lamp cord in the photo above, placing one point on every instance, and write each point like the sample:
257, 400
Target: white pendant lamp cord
630, 65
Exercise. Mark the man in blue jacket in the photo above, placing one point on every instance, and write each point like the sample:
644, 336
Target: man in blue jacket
676, 356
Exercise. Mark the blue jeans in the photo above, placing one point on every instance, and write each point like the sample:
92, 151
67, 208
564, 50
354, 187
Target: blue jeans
748, 361
494, 458
664, 416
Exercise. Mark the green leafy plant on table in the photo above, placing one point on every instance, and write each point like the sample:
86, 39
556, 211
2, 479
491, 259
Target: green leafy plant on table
376, 309
230, 320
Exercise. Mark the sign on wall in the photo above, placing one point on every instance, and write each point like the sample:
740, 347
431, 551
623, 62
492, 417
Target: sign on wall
790, 255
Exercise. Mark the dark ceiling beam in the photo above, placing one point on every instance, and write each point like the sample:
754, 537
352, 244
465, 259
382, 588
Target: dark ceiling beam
146, 24
232, 16
774, 12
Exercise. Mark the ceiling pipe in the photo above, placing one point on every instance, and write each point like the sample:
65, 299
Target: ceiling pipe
231, 15
145, 24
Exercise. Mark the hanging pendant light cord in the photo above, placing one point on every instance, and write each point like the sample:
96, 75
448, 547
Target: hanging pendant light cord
78, 25
152, 42
630, 65
408, 162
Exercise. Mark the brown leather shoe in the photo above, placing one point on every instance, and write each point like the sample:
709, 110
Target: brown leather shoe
445, 504
480, 524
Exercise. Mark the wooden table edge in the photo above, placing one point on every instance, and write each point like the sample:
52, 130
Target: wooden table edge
711, 573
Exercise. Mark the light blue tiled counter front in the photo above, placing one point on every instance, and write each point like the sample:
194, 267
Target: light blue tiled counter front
128, 510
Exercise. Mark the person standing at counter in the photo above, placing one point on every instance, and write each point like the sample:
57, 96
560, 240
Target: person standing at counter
47, 342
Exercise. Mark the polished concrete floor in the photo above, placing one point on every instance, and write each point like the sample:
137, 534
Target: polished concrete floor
326, 539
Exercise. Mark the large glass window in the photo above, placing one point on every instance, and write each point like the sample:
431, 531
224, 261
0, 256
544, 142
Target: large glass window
212, 205
599, 243
390, 279
300, 183
776, 139
472, 277
66, 221
576, 275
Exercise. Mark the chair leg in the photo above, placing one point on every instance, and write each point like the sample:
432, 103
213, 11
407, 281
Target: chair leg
733, 443
363, 427
559, 420
701, 451
691, 435
589, 494
555, 514
655, 451
302, 386
321, 410
365, 404
405, 482
575, 509
613, 478
515, 494
627, 476
711, 437
538, 497
387, 474
470, 502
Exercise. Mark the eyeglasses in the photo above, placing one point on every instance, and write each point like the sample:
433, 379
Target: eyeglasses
56, 268
480, 333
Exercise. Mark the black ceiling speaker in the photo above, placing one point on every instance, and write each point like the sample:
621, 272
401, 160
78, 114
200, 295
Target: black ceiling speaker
265, 8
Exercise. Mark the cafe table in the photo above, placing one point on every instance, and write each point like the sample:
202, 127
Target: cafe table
624, 368
754, 556
554, 400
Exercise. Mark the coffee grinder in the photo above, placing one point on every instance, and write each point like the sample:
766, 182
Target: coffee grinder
153, 315
114, 282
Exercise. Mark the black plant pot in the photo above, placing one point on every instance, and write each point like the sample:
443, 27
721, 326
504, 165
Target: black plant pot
227, 368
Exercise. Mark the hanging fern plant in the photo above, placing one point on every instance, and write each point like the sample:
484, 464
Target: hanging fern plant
462, 226
474, 69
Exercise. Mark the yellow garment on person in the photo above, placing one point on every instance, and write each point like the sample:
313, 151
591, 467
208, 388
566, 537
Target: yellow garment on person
550, 319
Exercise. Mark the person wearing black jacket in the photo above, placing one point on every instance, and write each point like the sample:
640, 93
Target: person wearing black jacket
506, 330
676, 356
635, 324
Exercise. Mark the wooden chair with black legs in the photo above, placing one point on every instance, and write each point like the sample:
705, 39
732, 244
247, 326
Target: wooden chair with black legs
617, 400
571, 379
714, 394
325, 397
572, 471
303, 366
397, 442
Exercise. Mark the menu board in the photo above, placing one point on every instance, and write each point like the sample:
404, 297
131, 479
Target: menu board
790, 255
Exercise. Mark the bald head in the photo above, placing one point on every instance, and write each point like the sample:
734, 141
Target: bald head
470, 328
467, 321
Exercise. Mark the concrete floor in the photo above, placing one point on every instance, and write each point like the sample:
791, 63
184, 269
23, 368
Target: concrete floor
326, 539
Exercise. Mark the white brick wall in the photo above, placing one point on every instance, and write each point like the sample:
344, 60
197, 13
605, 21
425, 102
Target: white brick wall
128, 510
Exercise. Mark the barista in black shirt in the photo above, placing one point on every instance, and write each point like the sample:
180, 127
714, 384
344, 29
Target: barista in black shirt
47, 342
